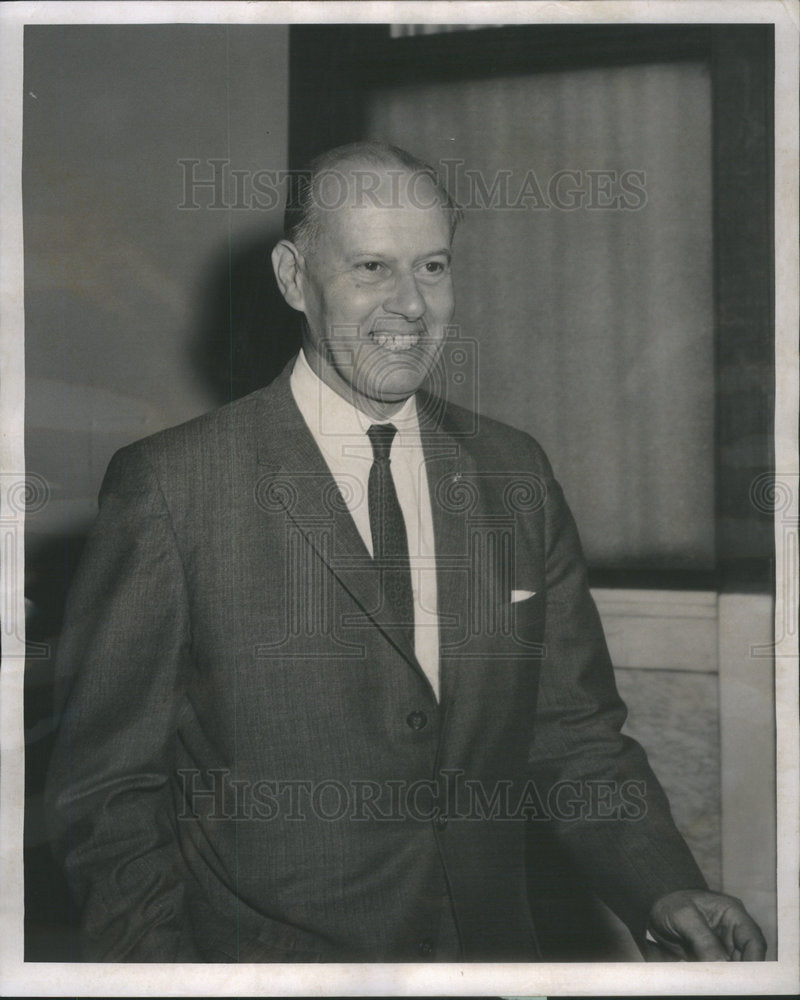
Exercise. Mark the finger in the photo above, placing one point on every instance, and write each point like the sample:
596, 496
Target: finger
669, 951
747, 938
728, 932
703, 941
755, 947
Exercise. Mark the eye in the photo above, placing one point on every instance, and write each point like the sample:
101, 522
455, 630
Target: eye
434, 268
372, 267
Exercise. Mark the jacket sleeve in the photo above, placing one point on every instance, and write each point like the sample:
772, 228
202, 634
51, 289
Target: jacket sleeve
621, 836
120, 676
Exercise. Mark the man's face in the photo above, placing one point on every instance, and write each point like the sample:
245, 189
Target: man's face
377, 294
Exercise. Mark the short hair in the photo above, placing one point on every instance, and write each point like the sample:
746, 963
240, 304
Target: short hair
301, 219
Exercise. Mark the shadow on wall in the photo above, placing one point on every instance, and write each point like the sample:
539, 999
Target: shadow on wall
246, 332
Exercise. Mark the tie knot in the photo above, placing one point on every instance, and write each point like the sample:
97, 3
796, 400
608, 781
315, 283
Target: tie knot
381, 437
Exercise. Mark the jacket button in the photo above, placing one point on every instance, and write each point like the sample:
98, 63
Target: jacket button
440, 821
417, 720
425, 947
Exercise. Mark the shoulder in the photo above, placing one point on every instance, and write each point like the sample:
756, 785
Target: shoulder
203, 445
216, 426
492, 443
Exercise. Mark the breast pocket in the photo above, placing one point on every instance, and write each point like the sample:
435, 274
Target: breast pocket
527, 624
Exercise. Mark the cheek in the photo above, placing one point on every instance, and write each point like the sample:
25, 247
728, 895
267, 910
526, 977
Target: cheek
440, 302
354, 305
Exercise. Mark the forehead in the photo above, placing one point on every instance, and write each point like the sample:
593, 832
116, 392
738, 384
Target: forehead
362, 202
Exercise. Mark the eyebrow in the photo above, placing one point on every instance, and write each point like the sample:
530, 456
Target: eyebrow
443, 252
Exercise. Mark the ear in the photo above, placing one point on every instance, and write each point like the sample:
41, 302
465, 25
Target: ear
287, 263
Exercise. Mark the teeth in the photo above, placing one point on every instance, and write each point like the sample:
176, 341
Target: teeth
396, 341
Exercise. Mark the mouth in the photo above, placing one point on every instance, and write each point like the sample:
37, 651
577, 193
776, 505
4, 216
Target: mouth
395, 341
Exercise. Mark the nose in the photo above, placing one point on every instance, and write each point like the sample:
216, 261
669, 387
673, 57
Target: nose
405, 299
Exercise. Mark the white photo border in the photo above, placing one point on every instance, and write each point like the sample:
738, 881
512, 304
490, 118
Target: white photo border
55, 979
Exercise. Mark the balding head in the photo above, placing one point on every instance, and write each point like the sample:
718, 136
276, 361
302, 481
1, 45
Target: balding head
360, 174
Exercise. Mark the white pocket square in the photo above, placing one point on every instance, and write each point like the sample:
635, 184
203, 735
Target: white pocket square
521, 595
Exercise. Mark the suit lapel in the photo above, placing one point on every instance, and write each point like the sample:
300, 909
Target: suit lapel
452, 483
294, 476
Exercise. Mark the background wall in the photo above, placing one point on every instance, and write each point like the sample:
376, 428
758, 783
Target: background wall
120, 340
139, 313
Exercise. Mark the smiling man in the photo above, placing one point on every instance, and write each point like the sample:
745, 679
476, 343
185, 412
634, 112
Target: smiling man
331, 651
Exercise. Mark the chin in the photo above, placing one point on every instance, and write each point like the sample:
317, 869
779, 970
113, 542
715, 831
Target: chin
396, 392
395, 379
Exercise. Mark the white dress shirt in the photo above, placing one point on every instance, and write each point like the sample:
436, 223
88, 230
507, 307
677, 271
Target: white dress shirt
340, 431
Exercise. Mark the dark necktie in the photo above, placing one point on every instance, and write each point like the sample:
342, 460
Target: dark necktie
389, 539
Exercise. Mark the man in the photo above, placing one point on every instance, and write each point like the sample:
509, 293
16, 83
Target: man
332, 650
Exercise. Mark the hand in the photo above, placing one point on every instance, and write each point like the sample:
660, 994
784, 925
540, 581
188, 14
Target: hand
696, 925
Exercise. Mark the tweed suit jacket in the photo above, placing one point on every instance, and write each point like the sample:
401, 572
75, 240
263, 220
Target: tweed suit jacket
252, 765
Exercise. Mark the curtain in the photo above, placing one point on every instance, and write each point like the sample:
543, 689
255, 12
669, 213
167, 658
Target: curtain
584, 285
